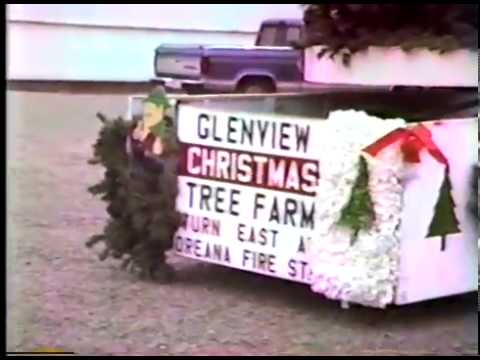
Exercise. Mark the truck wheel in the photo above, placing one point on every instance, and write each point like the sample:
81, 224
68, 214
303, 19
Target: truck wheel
257, 86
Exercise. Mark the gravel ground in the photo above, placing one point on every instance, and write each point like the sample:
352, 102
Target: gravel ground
60, 295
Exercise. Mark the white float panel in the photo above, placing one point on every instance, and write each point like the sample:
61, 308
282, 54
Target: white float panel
379, 66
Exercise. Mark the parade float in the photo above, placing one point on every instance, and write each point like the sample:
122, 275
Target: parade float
364, 195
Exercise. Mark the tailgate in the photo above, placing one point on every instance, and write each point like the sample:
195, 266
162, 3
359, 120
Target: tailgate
177, 61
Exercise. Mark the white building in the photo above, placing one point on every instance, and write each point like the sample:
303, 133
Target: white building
116, 42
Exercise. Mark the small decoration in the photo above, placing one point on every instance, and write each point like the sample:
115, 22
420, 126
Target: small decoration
444, 221
358, 214
152, 130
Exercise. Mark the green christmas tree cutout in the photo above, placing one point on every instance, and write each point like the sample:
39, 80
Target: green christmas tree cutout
358, 214
444, 220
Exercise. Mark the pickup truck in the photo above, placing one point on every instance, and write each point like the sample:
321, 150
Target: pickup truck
271, 65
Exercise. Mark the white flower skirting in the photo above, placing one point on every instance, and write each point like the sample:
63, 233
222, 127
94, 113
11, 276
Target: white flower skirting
365, 272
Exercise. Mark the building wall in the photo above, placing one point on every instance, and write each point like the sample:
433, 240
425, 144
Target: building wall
103, 42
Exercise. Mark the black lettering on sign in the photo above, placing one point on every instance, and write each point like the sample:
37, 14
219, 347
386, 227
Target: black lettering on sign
240, 232
271, 264
191, 186
303, 135
274, 213
274, 134
234, 202
262, 128
245, 257
202, 129
299, 269
198, 248
262, 236
301, 246
215, 227
290, 210
231, 129
284, 135
261, 261
219, 200
257, 205
207, 251
193, 247
307, 216
292, 272
214, 199
205, 195
274, 237
187, 246
281, 135
226, 256
258, 261
215, 135
205, 225
217, 252
293, 213
201, 224
247, 131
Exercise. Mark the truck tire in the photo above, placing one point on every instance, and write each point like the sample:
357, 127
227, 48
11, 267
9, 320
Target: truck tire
256, 86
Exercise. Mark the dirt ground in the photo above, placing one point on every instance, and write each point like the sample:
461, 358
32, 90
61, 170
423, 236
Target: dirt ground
60, 295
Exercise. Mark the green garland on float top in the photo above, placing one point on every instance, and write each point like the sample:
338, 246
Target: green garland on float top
350, 28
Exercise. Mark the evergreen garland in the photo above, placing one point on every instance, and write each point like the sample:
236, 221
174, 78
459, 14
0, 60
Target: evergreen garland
141, 204
349, 28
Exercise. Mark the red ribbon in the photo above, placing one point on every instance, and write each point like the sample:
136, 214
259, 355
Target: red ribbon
413, 141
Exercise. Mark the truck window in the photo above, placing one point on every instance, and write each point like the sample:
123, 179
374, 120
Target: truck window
268, 36
293, 34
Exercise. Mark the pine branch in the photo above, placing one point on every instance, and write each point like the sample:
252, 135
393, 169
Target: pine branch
142, 211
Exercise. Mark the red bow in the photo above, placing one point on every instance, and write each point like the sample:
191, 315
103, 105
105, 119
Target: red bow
412, 141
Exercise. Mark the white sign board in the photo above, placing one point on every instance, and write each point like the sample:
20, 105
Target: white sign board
246, 190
